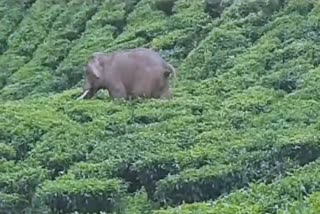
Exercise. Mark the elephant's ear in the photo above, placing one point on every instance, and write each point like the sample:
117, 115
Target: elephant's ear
94, 69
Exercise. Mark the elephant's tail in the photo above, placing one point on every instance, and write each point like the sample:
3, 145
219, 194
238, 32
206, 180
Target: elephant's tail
171, 69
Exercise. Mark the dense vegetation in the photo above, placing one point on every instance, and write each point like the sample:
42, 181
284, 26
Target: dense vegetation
241, 134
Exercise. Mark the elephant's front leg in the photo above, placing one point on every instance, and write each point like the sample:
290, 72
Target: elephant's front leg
117, 91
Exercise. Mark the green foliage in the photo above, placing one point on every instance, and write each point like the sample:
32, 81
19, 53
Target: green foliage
11, 14
209, 182
7, 151
23, 42
241, 134
12, 203
87, 195
54, 48
137, 204
276, 197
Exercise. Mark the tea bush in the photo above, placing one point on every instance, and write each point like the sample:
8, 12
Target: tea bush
264, 198
241, 134
87, 195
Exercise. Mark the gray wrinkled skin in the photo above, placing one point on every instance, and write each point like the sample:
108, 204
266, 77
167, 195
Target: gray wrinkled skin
127, 74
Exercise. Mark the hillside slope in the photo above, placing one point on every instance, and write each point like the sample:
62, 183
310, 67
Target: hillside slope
241, 134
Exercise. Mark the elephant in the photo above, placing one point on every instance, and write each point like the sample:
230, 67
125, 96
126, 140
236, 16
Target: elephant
127, 74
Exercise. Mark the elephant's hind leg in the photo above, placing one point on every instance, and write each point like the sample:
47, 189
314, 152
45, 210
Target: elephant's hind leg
166, 94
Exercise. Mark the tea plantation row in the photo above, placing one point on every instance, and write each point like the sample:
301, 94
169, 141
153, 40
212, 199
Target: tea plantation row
241, 134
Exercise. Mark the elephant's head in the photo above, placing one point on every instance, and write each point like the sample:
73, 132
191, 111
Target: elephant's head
93, 82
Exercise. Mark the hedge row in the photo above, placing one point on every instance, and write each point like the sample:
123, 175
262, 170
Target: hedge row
279, 57
210, 181
300, 147
51, 47
310, 204
241, 25
12, 203
24, 41
11, 14
264, 198
22, 180
262, 132
18, 184
22, 126
85, 195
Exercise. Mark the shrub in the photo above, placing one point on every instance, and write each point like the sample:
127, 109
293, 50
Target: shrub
258, 198
85, 195
12, 12
12, 203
